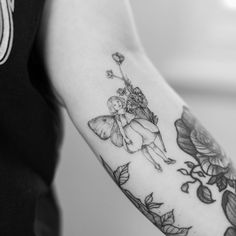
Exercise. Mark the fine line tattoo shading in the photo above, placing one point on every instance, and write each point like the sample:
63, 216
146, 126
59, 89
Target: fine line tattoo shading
131, 124
211, 166
164, 222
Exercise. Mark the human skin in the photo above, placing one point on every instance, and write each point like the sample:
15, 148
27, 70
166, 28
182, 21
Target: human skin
79, 41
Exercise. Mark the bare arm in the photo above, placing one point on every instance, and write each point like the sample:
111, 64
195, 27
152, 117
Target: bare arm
194, 196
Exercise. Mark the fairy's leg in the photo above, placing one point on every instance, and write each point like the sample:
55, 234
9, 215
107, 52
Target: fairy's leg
150, 159
161, 140
161, 154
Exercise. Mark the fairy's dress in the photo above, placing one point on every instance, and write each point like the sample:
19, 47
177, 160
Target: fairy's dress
140, 131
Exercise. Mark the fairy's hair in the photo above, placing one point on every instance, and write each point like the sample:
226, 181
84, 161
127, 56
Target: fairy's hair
110, 103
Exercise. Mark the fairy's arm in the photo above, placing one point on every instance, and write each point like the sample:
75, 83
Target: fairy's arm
117, 118
77, 39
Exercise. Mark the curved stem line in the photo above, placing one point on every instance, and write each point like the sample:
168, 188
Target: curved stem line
122, 74
115, 76
194, 178
191, 182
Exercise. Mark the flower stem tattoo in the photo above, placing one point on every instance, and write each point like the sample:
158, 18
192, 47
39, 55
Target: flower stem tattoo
211, 163
164, 222
131, 124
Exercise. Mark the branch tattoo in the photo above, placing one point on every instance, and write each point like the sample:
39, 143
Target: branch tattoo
210, 167
148, 207
131, 124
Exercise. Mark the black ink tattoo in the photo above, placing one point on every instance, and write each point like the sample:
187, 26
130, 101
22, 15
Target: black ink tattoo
229, 207
210, 162
165, 222
131, 124
203, 192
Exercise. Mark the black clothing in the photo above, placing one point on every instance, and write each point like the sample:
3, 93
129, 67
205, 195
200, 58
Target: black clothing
30, 132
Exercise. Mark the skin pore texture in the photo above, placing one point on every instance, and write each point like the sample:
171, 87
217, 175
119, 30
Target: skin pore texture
145, 136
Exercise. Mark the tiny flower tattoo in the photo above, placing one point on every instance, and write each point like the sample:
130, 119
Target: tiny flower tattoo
121, 91
118, 58
109, 74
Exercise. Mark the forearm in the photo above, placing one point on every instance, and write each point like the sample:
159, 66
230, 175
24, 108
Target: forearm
78, 73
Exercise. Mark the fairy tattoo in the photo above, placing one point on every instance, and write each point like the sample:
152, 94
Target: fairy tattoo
131, 124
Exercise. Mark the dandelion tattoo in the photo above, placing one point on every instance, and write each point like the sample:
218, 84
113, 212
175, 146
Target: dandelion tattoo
131, 124
211, 162
164, 222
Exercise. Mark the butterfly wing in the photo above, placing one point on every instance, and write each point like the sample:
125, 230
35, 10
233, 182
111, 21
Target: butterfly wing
116, 136
102, 126
106, 127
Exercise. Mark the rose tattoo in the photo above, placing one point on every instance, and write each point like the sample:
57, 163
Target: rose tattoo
210, 162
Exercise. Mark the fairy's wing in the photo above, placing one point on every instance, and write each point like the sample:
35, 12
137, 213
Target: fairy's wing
106, 127
102, 126
116, 136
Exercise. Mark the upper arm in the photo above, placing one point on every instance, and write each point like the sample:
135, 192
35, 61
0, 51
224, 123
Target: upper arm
77, 38
74, 38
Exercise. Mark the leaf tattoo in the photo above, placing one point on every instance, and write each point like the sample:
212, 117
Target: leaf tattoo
165, 222
150, 204
122, 174
204, 194
185, 187
149, 199
172, 230
183, 171
168, 218
229, 207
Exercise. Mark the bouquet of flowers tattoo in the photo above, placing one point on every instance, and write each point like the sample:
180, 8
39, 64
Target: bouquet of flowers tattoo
130, 124
136, 102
